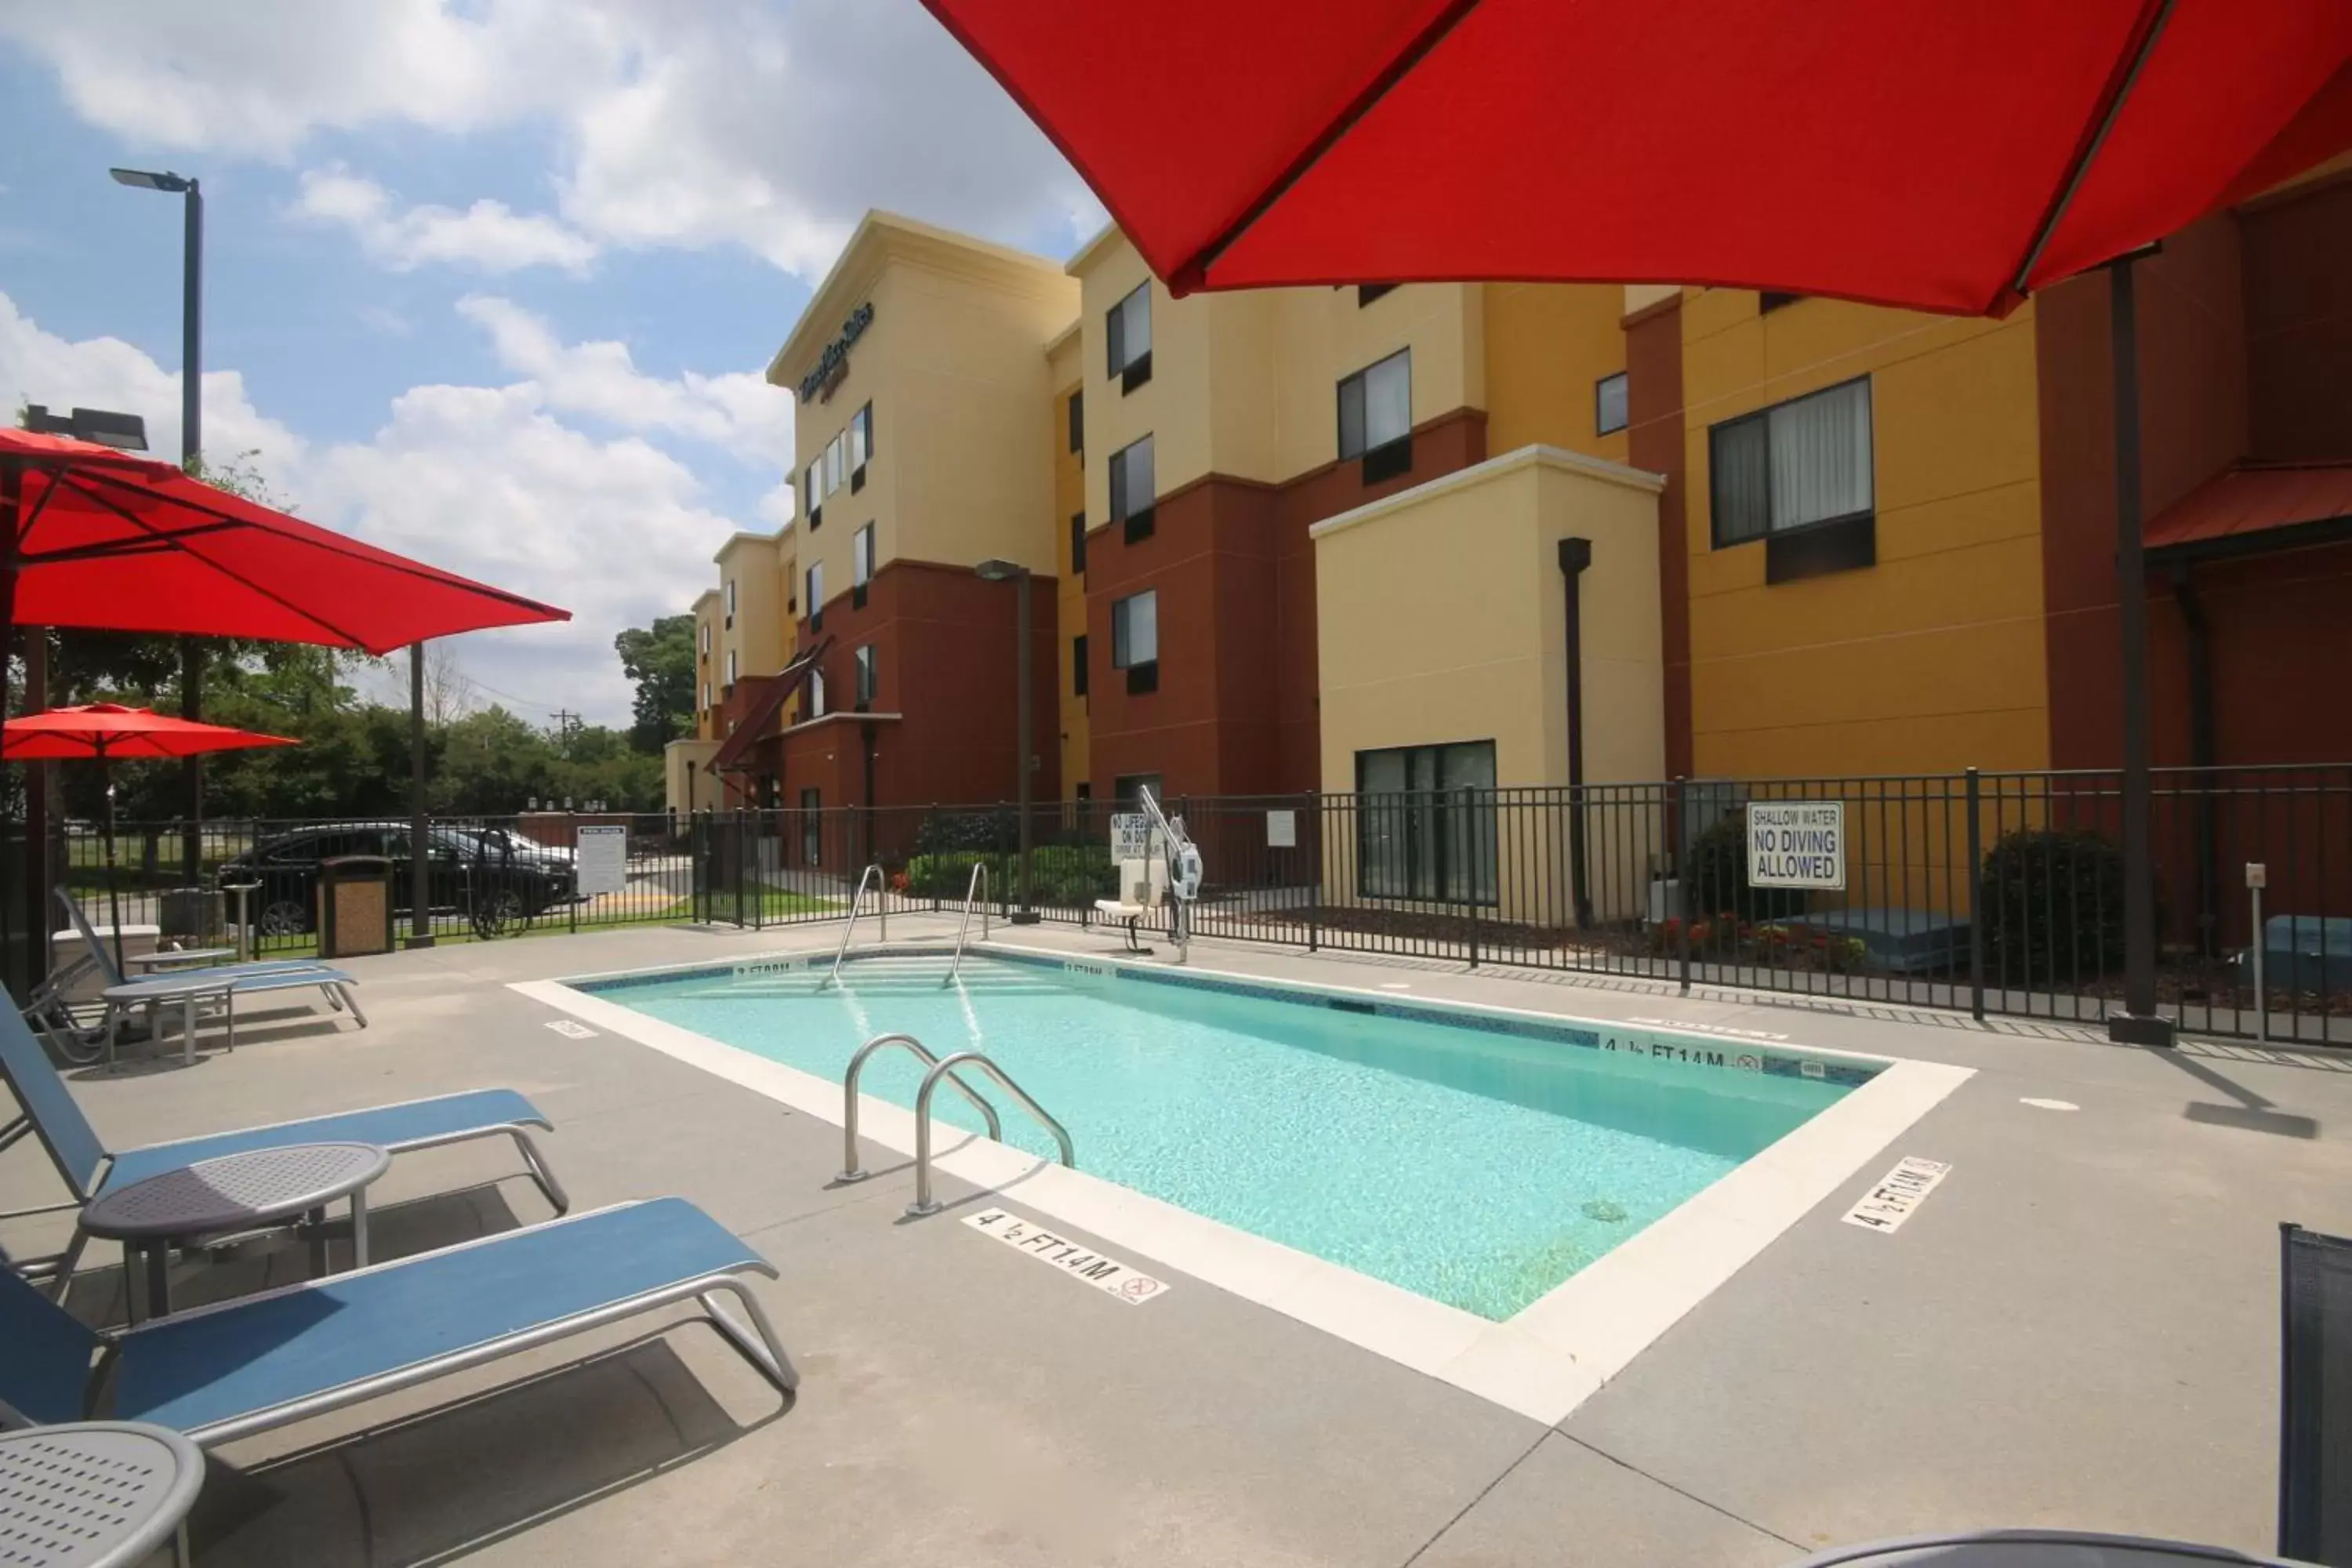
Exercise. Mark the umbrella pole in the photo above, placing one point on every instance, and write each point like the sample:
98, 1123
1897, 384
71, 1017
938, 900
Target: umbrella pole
2139, 1023
113, 888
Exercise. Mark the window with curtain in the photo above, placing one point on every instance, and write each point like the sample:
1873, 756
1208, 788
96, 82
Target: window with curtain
732, 667
812, 503
861, 439
1793, 465
816, 694
861, 556
866, 681
1132, 488
1425, 823
1376, 417
1127, 329
835, 473
816, 595
1608, 412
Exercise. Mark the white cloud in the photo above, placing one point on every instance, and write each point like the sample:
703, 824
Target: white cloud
737, 410
37, 366
490, 235
726, 122
486, 482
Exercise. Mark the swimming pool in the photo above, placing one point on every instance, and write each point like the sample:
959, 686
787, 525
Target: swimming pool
1474, 1158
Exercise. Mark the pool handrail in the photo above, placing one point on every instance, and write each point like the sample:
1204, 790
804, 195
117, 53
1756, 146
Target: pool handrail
924, 1203
851, 1171
872, 873
970, 895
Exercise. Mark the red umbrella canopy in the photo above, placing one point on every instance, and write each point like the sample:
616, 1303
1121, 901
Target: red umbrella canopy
111, 732
106, 539
1935, 155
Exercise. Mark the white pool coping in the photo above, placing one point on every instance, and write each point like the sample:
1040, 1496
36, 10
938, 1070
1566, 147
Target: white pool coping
1542, 1363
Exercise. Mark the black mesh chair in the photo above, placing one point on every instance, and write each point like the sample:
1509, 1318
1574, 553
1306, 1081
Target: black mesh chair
2316, 1398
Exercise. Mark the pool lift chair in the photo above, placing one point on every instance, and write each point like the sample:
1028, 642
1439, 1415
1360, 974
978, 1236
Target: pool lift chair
1171, 878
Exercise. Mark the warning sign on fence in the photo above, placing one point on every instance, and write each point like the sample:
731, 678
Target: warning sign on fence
1796, 843
1131, 837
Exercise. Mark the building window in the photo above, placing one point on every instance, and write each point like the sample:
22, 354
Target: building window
1376, 417
1774, 299
1127, 787
836, 470
731, 604
1425, 823
1368, 292
1134, 640
1608, 414
861, 446
1128, 329
1797, 476
705, 639
865, 677
1078, 542
1077, 422
1079, 665
861, 564
732, 667
1082, 791
813, 503
1132, 488
816, 694
706, 696
816, 595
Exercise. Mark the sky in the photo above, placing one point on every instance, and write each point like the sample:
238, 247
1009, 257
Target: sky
492, 283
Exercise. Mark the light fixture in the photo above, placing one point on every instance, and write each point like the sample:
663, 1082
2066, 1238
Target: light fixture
148, 179
996, 569
101, 427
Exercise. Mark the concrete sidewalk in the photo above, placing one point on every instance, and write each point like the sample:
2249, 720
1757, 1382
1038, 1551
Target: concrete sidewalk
2079, 1327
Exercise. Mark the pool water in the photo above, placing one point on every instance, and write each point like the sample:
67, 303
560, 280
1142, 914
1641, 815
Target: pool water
1476, 1167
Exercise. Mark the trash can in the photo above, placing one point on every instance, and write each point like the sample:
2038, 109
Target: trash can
355, 905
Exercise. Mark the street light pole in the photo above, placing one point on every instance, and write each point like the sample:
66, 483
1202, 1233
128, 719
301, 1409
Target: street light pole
192, 447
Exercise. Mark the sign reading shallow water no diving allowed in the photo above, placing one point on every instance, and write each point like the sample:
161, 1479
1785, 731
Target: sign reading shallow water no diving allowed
1796, 843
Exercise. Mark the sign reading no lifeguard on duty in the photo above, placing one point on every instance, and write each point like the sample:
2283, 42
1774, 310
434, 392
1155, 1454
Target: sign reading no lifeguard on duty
1796, 843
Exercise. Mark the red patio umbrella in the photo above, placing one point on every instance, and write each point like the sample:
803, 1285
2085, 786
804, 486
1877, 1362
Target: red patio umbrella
109, 733
91, 536
1928, 154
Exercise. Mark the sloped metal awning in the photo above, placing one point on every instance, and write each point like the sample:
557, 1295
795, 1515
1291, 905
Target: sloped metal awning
733, 752
2255, 509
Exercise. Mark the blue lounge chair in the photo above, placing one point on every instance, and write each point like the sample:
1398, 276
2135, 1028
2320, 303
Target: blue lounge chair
48, 1112
79, 1041
220, 1372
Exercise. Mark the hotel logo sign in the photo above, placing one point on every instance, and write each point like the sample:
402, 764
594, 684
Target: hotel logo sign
1796, 844
817, 385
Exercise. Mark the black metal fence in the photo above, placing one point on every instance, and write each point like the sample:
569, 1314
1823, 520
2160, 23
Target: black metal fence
1998, 893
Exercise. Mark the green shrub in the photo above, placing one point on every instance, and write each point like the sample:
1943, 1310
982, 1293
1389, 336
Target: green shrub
1718, 878
1062, 875
947, 832
2054, 907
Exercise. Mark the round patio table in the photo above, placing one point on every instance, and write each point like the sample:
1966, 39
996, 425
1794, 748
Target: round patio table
2033, 1549
95, 1494
233, 1193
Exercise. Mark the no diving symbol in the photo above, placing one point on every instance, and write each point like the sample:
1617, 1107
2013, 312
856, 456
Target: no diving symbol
1136, 1286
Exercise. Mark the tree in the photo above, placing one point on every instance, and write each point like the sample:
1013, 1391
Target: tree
660, 660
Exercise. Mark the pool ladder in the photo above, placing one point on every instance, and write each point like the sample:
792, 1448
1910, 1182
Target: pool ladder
873, 874
938, 1069
971, 895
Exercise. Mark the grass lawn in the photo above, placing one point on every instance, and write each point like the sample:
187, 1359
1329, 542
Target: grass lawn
771, 903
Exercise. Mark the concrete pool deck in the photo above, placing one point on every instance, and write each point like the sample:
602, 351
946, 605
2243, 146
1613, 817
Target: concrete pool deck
2078, 1327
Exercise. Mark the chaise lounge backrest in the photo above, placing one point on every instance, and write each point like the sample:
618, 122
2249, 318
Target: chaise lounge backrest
57, 1120
43, 1353
2316, 1398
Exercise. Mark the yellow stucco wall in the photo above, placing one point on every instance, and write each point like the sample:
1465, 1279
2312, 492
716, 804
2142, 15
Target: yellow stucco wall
1475, 553
1547, 346
709, 664
1930, 660
758, 636
1246, 385
686, 781
1070, 607
952, 362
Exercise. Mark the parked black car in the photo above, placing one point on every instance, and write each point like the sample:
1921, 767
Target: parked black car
496, 888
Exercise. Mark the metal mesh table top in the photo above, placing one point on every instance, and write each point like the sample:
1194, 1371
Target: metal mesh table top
235, 1190
94, 1494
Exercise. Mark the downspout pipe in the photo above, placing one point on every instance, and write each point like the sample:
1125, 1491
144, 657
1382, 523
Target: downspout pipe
1575, 555
2201, 749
